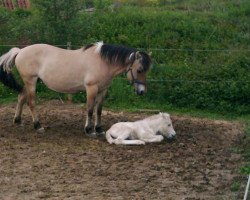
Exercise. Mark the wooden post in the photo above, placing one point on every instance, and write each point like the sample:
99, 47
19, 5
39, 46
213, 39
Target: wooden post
69, 96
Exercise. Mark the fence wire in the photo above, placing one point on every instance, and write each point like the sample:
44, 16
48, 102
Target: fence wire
148, 49
69, 46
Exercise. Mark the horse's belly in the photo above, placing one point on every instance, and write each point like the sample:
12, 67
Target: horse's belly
64, 86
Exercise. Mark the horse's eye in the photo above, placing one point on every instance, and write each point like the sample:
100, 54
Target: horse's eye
169, 124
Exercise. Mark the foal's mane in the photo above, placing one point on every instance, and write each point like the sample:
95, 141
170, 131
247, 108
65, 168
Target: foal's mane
118, 55
156, 116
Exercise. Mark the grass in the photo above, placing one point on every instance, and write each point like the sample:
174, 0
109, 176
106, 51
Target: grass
246, 149
235, 186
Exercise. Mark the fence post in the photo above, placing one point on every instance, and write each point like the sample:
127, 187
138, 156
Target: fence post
69, 96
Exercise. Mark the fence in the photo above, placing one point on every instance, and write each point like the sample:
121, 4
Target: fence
184, 85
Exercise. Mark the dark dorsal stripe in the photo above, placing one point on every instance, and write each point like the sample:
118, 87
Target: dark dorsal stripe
88, 46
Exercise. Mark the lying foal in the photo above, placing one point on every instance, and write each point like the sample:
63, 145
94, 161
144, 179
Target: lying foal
151, 129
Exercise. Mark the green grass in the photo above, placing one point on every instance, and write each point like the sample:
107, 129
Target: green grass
235, 186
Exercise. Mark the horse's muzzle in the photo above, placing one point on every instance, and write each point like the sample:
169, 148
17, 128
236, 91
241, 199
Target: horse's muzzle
140, 89
141, 92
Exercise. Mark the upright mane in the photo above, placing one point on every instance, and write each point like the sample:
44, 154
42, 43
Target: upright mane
118, 54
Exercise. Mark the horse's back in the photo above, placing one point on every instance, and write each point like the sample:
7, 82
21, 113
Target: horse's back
62, 70
31, 57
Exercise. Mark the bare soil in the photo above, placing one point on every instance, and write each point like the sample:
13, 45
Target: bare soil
63, 163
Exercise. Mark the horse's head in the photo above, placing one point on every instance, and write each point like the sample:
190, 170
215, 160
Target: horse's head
166, 128
140, 63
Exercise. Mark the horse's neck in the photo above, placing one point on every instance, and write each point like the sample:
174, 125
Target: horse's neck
117, 70
154, 123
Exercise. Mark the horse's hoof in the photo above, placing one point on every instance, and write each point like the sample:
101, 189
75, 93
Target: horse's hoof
40, 130
91, 135
87, 129
101, 134
17, 120
98, 129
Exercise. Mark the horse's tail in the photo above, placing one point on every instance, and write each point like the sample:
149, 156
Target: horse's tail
7, 62
109, 138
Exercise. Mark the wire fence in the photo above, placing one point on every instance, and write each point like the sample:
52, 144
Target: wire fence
69, 45
151, 49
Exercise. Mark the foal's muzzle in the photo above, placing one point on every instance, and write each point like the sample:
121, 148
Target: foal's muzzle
171, 137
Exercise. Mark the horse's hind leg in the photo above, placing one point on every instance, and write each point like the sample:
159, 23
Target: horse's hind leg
99, 101
92, 91
22, 98
30, 86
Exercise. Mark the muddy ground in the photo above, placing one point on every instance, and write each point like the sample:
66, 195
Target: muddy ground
63, 163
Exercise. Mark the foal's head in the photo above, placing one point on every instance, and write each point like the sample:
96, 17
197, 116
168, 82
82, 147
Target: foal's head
139, 64
166, 128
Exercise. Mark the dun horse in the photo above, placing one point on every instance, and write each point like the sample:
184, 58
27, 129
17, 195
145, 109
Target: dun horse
91, 68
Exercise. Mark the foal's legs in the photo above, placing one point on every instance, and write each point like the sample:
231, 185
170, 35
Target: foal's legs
30, 86
99, 101
123, 138
22, 98
92, 91
153, 138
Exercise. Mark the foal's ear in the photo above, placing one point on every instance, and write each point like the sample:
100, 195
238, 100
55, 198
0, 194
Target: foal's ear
150, 53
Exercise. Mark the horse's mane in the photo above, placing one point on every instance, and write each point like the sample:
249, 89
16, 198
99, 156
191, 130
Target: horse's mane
118, 55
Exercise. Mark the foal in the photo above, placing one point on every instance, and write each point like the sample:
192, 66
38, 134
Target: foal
151, 129
70, 71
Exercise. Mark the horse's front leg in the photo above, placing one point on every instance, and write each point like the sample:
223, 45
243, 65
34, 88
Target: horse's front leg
99, 102
92, 91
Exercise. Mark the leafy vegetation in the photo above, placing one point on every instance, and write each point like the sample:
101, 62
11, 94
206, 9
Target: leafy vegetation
187, 39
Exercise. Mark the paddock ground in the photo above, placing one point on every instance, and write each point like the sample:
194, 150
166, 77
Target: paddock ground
65, 164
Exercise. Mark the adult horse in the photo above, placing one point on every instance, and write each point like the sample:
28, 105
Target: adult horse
91, 68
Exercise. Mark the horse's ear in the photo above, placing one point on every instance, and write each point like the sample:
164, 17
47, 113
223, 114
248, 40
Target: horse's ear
131, 57
138, 55
150, 53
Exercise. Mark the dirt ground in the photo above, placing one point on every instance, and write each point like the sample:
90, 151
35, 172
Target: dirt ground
63, 163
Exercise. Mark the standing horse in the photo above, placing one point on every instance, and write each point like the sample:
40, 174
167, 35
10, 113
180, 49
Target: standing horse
69, 71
